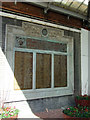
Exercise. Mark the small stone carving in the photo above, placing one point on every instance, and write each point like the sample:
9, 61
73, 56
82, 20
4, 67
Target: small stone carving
20, 41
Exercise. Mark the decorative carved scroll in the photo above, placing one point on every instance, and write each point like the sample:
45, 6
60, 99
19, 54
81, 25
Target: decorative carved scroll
20, 42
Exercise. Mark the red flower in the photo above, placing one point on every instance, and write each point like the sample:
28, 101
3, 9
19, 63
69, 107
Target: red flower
85, 95
86, 110
8, 108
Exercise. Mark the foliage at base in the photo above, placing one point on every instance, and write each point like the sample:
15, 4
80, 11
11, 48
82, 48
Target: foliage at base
79, 111
7, 112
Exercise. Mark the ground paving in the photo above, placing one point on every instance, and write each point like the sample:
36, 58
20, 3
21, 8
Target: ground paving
57, 113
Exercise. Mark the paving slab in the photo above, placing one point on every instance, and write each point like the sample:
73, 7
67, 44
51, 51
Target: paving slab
57, 113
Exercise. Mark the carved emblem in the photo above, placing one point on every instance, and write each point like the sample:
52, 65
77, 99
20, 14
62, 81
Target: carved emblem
20, 41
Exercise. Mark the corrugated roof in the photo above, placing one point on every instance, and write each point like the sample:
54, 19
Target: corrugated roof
79, 6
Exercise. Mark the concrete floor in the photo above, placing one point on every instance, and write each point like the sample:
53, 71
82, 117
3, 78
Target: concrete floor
55, 114
26, 112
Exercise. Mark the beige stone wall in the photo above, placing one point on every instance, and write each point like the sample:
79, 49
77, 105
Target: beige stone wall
35, 30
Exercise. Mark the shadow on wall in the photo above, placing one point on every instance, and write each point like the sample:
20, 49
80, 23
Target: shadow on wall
7, 94
18, 98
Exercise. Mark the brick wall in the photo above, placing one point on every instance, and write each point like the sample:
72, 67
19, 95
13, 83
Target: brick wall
38, 13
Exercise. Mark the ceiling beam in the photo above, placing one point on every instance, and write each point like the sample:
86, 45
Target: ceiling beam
59, 9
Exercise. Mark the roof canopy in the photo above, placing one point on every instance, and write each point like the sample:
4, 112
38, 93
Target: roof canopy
79, 6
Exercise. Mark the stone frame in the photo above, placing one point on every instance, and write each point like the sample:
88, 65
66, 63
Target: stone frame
12, 31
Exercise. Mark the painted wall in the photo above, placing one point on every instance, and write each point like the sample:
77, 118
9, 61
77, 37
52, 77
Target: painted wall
88, 62
84, 61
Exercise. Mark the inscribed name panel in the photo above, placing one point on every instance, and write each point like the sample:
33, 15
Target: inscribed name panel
46, 45
60, 70
43, 71
23, 69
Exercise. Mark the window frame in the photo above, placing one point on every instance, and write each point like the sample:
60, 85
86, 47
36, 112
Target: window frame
51, 92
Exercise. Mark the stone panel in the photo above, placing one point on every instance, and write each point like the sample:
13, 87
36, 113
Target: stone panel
41, 105
35, 30
77, 60
5, 21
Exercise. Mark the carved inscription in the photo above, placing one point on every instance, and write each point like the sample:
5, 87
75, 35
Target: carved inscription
46, 45
29, 43
23, 69
60, 70
43, 71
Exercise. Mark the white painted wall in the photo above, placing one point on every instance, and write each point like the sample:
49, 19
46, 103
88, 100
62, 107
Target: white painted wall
89, 62
84, 61
6, 77
6, 89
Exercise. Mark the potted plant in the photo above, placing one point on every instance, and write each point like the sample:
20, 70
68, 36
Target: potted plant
83, 100
77, 112
8, 112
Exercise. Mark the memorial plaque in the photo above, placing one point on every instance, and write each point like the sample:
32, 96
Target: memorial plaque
60, 71
23, 69
43, 71
46, 45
